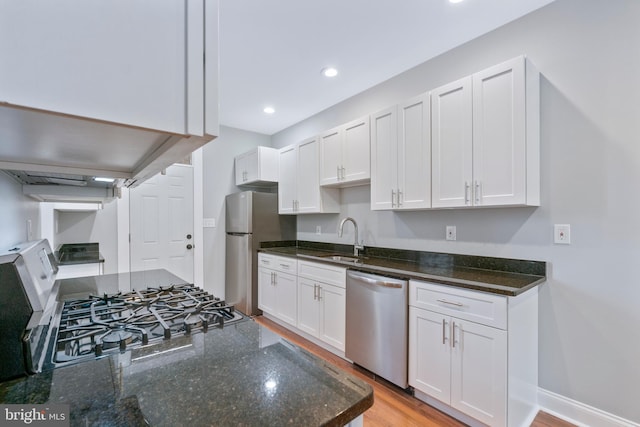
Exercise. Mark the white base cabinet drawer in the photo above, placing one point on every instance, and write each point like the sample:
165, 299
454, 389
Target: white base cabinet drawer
278, 263
326, 273
479, 307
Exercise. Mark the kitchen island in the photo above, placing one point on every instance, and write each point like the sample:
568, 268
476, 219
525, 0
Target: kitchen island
242, 374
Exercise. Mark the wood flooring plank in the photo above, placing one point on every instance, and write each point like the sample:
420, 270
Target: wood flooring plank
392, 406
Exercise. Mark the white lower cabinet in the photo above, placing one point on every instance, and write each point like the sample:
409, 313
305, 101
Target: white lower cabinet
277, 287
306, 297
322, 302
467, 365
321, 311
460, 363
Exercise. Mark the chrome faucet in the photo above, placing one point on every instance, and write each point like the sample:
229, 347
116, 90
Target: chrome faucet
357, 247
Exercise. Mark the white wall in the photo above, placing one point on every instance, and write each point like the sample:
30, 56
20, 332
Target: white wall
15, 210
587, 52
218, 181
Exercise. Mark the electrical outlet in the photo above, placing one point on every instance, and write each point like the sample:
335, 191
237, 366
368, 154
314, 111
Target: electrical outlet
562, 234
208, 222
318, 229
451, 232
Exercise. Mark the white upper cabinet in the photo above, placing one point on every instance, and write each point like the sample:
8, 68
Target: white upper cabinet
344, 154
122, 88
257, 167
288, 180
452, 144
331, 156
401, 156
299, 190
505, 156
384, 158
486, 143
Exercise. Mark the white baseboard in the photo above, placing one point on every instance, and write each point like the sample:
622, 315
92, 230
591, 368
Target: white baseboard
578, 413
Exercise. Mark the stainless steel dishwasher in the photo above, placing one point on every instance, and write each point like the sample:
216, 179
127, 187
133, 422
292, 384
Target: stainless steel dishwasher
377, 322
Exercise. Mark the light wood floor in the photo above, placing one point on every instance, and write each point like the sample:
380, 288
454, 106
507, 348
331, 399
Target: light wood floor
392, 407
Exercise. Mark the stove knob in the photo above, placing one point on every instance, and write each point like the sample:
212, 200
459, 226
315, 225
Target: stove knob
189, 236
189, 246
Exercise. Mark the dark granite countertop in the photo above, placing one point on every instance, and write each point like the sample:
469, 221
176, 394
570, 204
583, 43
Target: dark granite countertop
240, 375
81, 287
502, 276
78, 253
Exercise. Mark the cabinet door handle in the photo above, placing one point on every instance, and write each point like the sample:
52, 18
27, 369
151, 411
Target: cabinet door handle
466, 193
444, 301
453, 334
344, 174
319, 293
477, 192
444, 326
338, 172
393, 195
399, 198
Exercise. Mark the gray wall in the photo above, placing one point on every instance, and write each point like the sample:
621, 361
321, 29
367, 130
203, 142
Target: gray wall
587, 52
218, 181
15, 210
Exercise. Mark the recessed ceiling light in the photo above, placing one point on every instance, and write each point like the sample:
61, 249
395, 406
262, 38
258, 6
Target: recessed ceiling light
269, 110
455, 1
329, 72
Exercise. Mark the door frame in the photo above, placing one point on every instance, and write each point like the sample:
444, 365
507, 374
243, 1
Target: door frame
124, 235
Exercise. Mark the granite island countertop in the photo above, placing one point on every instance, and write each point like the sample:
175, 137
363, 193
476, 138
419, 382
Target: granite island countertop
240, 375
504, 276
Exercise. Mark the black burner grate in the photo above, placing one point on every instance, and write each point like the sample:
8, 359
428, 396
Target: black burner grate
100, 325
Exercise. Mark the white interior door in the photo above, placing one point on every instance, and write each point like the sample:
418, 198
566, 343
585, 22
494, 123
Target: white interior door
161, 223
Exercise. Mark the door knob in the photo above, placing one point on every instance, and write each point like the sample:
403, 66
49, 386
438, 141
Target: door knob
188, 236
189, 246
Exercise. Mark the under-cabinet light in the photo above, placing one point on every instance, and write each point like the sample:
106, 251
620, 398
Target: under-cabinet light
103, 179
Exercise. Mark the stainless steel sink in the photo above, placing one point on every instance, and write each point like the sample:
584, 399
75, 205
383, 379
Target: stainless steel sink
342, 258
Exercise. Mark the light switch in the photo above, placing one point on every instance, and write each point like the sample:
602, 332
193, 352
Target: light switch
208, 222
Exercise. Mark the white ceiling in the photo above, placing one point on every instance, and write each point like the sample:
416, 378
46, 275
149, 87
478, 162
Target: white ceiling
272, 51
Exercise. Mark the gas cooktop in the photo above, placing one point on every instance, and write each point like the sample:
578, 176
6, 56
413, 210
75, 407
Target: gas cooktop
100, 325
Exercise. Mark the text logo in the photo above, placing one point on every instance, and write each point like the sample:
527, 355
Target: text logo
34, 415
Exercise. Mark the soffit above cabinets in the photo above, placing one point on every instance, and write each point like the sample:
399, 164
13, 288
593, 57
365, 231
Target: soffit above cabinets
37, 141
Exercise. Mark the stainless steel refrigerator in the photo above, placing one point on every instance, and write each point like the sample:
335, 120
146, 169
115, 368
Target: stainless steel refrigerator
251, 217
